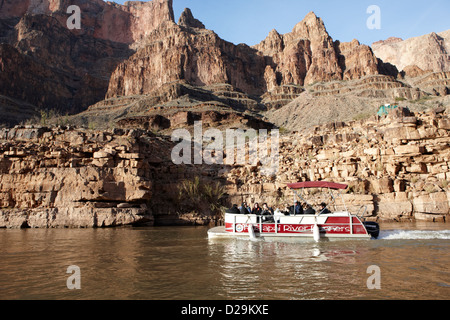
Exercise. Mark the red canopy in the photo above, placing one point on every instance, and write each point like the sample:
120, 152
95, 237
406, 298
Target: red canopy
318, 184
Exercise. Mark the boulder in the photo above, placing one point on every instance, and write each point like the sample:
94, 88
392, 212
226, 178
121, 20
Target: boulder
431, 206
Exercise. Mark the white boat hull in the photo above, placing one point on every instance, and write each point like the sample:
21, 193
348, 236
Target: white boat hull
339, 225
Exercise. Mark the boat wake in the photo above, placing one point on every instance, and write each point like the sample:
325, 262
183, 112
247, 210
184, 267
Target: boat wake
414, 234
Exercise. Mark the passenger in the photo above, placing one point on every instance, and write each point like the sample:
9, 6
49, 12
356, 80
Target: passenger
298, 208
268, 212
256, 209
245, 209
292, 210
234, 209
309, 210
287, 210
278, 213
324, 209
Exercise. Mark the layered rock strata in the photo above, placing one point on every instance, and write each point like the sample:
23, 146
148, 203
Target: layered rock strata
355, 99
198, 56
187, 119
47, 65
43, 64
430, 52
136, 51
54, 178
396, 166
110, 21
173, 100
190, 52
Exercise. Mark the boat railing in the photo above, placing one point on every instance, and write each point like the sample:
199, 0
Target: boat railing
275, 219
362, 215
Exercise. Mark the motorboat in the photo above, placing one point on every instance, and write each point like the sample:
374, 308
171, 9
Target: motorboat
322, 225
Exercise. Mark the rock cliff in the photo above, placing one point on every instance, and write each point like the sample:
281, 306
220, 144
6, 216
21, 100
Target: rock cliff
131, 67
430, 52
132, 51
126, 23
346, 100
198, 56
397, 166
46, 65
65, 177
188, 51
308, 54
45, 184
50, 67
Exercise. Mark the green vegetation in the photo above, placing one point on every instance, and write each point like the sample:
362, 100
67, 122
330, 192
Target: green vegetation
363, 116
430, 188
92, 125
49, 118
44, 117
202, 197
284, 130
422, 100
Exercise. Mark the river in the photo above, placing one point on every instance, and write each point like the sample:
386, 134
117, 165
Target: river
180, 263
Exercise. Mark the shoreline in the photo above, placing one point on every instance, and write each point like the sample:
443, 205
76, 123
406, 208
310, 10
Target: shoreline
396, 167
43, 220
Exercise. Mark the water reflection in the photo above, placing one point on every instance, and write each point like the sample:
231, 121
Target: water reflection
276, 269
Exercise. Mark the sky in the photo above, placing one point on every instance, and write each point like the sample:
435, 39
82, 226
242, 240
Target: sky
250, 21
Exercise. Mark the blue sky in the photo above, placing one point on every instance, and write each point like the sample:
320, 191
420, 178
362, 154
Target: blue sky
250, 21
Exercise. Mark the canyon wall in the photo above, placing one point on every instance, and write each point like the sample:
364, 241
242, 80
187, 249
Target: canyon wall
137, 49
131, 66
48, 66
190, 52
397, 168
44, 64
110, 21
429, 52
75, 178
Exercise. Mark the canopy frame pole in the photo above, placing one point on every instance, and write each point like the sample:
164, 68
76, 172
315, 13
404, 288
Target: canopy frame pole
301, 198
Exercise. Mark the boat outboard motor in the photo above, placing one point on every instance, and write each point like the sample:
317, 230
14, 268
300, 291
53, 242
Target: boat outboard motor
316, 231
372, 228
251, 232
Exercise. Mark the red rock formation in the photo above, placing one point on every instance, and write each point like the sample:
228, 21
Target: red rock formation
69, 178
290, 60
189, 52
96, 60
44, 64
126, 23
324, 64
173, 53
308, 55
357, 60
188, 20
396, 165
428, 52
185, 119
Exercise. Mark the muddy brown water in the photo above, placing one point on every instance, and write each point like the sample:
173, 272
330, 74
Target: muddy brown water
181, 263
